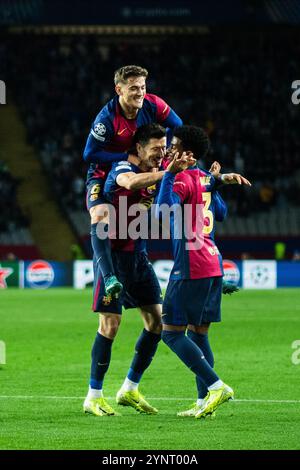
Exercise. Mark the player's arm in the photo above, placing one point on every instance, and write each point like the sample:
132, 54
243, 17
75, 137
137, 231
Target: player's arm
233, 178
220, 206
171, 191
99, 138
134, 181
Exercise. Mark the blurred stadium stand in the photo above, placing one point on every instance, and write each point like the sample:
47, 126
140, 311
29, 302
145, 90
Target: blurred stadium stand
235, 82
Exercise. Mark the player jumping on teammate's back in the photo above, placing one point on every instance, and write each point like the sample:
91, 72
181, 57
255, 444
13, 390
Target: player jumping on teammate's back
109, 140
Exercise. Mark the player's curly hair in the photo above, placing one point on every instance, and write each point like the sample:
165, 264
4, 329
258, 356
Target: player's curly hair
123, 73
193, 139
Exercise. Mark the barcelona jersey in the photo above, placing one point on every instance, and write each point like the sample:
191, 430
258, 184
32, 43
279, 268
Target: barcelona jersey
111, 134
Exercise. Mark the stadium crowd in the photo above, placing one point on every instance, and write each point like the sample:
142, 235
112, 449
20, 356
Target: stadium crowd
11, 216
237, 86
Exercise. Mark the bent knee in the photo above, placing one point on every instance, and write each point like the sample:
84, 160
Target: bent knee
200, 329
109, 326
154, 325
99, 213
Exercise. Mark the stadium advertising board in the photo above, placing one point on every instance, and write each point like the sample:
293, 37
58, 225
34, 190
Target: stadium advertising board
41, 274
9, 274
44, 274
83, 274
259, 274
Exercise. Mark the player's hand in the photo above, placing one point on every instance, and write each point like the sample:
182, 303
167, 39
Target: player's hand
228, 288
215, 169
181, 162
235, 178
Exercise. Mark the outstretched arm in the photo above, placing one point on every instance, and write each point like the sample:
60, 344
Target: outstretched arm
134, 181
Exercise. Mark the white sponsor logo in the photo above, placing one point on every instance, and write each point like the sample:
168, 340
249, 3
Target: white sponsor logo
123, 167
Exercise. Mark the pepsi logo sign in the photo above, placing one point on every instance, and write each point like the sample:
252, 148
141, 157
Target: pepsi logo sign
40, 274
231, 272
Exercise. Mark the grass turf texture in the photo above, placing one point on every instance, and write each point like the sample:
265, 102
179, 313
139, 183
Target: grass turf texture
48, 336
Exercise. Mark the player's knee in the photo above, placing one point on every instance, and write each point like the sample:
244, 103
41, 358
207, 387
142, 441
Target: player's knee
109, 326
200, 329
99, 213
154, 325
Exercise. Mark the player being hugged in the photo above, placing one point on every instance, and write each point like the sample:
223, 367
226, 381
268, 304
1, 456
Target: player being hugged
193, 295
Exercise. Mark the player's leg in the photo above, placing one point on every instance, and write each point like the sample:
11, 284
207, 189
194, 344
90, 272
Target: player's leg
145, 350
146, 344
99, 213
95, 402
109, 320
145, 293
178, 311
199, 333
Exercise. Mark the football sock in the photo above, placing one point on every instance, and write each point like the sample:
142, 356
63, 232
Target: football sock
190, 354
102, 250
216, 385
101, 353
129, 385
94, 393
145, 349
203, 343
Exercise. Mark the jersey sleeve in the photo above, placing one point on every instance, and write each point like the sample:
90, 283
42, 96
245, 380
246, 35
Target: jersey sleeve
99, 138
220, 206
166, 195
121, 167
181, 187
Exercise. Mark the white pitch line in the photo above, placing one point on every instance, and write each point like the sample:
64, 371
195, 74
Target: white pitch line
51, 397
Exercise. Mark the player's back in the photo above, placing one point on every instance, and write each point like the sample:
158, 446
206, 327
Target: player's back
196, 255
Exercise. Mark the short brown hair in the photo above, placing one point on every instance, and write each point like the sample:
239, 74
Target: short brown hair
123, 73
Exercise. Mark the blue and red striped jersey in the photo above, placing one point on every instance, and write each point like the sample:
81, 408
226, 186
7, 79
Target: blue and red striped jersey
111, 134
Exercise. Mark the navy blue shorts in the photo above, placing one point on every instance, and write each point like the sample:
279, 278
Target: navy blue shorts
139, 280
94, 193
193, 301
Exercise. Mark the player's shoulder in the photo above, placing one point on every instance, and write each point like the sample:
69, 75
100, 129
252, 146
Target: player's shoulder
154, 99
122, 166
102, 126
107, 113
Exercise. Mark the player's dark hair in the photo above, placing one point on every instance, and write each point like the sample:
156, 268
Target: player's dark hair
147, 132
123, 73
193, 139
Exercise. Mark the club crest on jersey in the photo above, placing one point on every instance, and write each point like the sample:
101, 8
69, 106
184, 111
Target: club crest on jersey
106, 300
100, 128
151, 189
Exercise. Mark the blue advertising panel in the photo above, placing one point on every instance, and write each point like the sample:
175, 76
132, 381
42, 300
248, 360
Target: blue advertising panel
41, 274
288, 273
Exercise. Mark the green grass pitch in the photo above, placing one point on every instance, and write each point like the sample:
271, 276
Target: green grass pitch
48, 337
